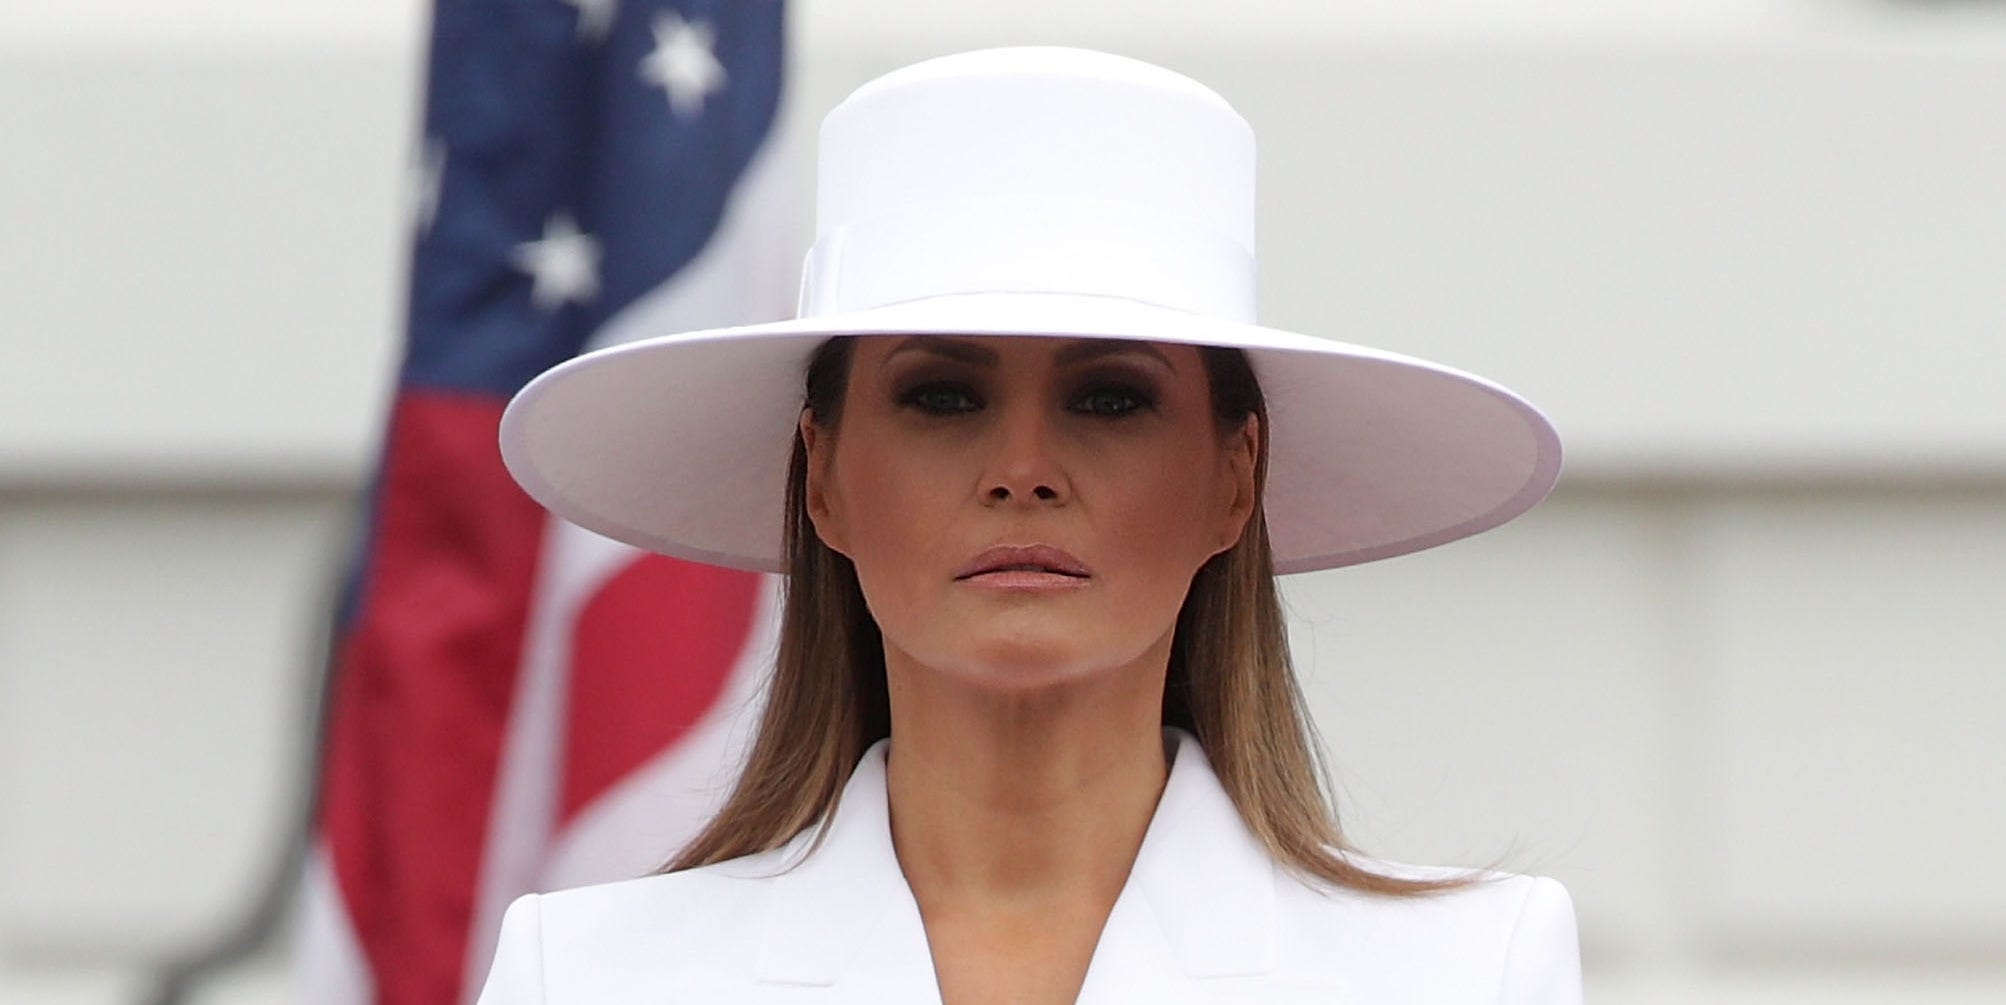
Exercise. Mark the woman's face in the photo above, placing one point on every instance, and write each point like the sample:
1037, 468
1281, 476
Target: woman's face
1099, 460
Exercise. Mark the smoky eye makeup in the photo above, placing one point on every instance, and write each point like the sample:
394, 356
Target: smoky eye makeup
1113, 390
941, 397
1109, 389
936, 390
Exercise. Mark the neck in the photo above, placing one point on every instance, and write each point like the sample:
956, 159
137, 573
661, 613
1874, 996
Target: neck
1023, 797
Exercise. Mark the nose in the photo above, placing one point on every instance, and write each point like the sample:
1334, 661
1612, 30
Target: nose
1024, 466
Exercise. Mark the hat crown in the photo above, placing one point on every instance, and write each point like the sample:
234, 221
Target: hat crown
1034, 169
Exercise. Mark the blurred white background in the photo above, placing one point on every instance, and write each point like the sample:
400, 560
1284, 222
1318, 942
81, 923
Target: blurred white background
1739, 683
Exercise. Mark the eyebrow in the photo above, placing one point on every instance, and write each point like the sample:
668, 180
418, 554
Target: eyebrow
1079, 351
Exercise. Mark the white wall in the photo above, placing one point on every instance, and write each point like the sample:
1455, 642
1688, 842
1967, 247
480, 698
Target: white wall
1735, 683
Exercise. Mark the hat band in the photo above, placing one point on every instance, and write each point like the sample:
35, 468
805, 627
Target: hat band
1077, 247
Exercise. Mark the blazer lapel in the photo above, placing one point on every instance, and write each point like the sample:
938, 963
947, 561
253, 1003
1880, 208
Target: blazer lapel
844, 918
1200, 900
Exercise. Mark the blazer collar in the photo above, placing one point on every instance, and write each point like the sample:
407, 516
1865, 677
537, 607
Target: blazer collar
1202, 891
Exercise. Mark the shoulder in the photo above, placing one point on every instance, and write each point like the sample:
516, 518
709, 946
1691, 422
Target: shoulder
1505, 938
722, 889
609, 939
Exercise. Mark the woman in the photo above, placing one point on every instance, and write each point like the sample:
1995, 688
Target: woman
1031, 467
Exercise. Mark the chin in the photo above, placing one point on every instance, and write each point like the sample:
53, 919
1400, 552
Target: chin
1018, 663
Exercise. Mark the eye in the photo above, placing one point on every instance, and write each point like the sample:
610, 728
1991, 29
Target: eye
941, 398
1112, 400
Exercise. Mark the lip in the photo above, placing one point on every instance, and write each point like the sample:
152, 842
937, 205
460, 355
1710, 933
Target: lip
1032, 564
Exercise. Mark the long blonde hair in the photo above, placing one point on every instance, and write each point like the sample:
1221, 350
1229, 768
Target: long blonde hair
1230, 681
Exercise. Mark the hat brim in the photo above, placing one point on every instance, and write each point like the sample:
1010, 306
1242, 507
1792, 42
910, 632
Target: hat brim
679, 444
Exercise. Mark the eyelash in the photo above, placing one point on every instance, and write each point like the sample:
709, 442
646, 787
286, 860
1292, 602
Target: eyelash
1135, 398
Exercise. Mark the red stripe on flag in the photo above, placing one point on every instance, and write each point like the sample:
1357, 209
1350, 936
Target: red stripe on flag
420, 702
651, 653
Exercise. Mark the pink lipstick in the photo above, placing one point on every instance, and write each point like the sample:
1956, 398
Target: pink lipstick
1025, 567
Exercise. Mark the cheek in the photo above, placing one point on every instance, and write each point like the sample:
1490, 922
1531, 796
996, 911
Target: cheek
896, 505
1159, 522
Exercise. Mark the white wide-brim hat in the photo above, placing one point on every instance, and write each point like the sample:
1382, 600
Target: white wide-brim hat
1039, 191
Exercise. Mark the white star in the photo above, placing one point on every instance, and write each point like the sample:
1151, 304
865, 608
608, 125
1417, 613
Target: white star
594, 17
425, 183
564, 263
682, 62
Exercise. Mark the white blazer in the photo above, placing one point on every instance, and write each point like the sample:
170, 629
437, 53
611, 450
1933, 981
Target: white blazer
1206, 916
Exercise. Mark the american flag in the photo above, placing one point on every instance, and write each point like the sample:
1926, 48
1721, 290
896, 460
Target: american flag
515, 704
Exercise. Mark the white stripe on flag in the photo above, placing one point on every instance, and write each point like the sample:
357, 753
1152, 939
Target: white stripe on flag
574, 564
657, 809
327, 964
